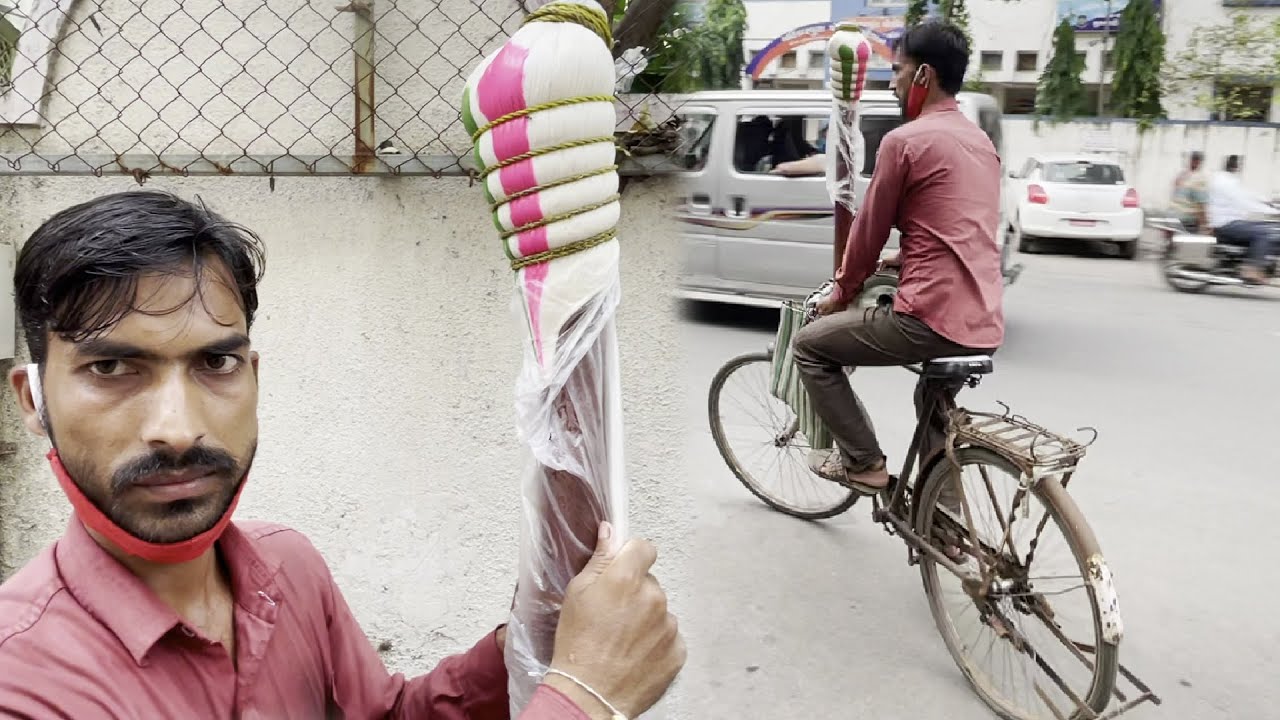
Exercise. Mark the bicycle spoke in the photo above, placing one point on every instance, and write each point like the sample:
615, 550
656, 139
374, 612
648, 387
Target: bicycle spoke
757, 434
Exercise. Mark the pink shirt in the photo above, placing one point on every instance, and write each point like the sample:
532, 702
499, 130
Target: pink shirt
937, 179
82, 637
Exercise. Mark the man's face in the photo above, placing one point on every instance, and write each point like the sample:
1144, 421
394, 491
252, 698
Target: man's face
156, 419
904, 72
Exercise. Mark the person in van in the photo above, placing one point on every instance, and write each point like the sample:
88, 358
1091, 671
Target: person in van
937, 179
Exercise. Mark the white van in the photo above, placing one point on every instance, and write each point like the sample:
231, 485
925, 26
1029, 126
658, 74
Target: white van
755, 238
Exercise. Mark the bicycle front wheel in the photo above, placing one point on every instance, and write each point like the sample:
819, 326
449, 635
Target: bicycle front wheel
1039, 636
758, 437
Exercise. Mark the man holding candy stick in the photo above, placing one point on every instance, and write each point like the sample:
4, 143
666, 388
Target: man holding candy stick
137, 309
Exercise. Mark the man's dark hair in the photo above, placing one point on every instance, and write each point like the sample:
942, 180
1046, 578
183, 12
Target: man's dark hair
1233, 163
941, 46
77, 275
1197, 156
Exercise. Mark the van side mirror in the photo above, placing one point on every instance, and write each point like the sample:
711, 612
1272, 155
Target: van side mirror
1013, 174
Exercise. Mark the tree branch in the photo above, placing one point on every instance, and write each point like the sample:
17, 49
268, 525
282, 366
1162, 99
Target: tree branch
640, 24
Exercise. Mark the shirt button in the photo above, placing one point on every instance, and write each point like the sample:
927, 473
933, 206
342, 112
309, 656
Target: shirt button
188, 631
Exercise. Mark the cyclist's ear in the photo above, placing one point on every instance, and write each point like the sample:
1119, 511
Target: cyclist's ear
924, 76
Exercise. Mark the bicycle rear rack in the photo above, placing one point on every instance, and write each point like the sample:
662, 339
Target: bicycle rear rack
1037, 451
1041, 453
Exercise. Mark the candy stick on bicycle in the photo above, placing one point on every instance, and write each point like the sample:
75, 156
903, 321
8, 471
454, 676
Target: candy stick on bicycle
542, 117
848, 52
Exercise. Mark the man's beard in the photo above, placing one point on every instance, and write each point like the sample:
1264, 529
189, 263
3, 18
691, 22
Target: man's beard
168, 522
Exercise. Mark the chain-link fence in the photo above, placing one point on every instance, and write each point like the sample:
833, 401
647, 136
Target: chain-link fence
261, 87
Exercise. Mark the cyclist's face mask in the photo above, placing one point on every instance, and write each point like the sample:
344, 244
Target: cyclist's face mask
917, 94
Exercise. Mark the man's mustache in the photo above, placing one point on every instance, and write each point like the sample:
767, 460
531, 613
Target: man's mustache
218, 462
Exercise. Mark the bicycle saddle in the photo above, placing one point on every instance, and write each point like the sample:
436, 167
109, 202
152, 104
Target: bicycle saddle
958, 367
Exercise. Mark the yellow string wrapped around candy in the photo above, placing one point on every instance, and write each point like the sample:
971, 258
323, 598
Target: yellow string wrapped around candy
541, 113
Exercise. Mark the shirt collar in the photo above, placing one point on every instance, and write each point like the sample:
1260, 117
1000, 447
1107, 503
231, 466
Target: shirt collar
117, 598
941, 106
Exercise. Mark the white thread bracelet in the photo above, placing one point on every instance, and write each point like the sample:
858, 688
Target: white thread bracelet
617, 715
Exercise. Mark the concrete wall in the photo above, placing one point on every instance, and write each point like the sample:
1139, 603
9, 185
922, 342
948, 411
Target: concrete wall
1152, 159
389, 351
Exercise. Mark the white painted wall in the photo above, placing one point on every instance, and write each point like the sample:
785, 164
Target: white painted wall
1151, 160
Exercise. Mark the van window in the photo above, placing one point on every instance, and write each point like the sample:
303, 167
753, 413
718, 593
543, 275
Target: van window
989, 121
694, 139
874, 128
762, 142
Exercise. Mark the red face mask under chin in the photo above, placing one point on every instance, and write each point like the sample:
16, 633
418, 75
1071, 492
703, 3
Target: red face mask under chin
167, 553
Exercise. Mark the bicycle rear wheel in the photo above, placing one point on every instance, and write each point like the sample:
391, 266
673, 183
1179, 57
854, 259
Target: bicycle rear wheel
1043, 632
758, 437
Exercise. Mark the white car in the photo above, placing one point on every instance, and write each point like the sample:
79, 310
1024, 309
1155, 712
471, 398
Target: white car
1073, 197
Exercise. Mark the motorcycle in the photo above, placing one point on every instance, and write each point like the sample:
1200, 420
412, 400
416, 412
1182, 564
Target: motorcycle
1194, 260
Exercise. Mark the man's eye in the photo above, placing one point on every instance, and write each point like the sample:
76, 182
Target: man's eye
107, 368
222, 363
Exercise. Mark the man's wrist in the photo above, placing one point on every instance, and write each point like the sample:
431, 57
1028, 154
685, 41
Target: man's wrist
588, 704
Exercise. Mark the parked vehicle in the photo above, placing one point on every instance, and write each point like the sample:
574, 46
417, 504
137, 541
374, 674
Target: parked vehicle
1079, 197
753, 237
1193, 262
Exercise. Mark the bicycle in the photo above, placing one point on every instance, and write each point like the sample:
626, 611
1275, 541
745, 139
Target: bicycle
996, 583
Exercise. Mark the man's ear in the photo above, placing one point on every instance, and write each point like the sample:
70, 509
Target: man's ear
253, 360
25, 379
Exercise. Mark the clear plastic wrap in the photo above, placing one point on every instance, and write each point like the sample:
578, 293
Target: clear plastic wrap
844, 146
849, 54
541, 113
572, 425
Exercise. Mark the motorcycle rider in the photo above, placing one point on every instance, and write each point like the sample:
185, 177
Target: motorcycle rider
1191, 193
1230, 207
938, 181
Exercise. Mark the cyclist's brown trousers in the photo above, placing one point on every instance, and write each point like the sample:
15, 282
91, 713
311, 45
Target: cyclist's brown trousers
877, 337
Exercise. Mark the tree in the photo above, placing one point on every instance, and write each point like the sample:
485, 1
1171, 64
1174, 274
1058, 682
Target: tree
1061, 92
697, 48
1139, 54
956, 13
721, 44
1223, 66
917, 10
641, 24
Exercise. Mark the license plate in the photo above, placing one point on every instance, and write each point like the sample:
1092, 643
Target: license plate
1083, 223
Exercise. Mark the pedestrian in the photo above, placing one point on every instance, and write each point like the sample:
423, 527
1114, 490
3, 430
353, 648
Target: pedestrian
137, 309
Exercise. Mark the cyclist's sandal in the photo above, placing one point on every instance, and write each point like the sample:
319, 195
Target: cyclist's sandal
832, 468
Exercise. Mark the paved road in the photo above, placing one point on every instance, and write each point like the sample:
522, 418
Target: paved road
825, 620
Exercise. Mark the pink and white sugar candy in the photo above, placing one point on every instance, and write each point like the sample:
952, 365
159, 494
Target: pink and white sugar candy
546, 62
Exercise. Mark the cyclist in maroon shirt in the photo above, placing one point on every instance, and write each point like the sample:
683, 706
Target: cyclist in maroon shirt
937, 179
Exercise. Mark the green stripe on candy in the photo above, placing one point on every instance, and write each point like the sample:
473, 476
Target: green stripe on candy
468, 121
846, 71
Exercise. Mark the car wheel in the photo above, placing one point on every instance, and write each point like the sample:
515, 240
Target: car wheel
1128, 249
1025, 244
